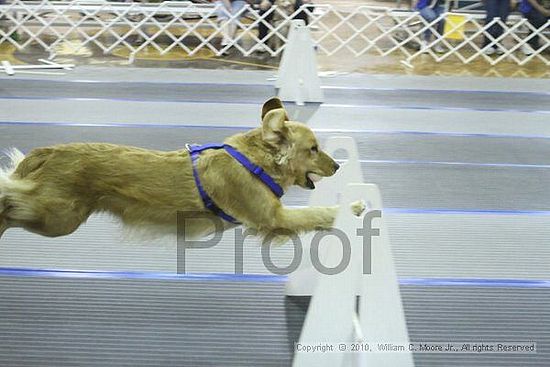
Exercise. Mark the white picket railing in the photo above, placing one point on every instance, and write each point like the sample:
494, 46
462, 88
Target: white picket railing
193, 28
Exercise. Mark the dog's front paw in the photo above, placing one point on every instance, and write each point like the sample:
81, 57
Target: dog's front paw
358, 207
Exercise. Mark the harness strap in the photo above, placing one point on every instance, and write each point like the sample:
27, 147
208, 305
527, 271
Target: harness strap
206, 199
255, 170
195, 150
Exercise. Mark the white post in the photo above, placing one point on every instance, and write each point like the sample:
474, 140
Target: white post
332, 316
298, 80
328, 191
9, 67
381, 311
6, 66
331, 311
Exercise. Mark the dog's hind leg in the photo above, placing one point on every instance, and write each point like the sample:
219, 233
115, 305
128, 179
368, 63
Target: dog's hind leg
6, 185
44, 210
3, 226
3, 219
53, 217
41, 208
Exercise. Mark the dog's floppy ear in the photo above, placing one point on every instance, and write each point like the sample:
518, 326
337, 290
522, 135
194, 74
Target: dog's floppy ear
272, 104
274, 129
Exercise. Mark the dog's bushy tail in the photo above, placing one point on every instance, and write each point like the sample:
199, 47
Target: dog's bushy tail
7, 183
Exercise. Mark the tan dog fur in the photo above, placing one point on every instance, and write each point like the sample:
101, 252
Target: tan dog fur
53, 190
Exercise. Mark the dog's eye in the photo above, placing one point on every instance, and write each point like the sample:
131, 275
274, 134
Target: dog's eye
315, 149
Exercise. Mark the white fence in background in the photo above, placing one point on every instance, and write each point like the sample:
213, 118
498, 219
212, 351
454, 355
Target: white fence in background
193, 28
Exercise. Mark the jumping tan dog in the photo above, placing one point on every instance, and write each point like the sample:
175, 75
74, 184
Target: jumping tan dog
53, 190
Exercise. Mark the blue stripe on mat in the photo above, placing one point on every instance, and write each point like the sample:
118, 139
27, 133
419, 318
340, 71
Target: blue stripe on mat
476, 282
451, 211
430, 282
91, 274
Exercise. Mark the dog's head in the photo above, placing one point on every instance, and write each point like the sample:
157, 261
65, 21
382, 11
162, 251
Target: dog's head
298, 153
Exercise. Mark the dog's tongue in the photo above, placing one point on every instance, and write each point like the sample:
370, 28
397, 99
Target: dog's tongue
314, 177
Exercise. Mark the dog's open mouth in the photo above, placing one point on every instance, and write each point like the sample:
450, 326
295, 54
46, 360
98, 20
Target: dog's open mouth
311, 178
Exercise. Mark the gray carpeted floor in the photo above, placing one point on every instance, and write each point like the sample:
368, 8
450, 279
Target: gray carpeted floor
462, 165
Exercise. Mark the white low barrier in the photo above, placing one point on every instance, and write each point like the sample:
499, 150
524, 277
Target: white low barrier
334, 315
336, 30
298, 78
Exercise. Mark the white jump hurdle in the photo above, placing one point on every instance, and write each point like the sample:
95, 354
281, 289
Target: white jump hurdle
10, 69
302, 282
334, 316
298, 80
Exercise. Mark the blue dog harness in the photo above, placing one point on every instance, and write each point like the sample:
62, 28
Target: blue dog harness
195, 151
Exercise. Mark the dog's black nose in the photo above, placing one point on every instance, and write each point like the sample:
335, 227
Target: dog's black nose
336, 166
